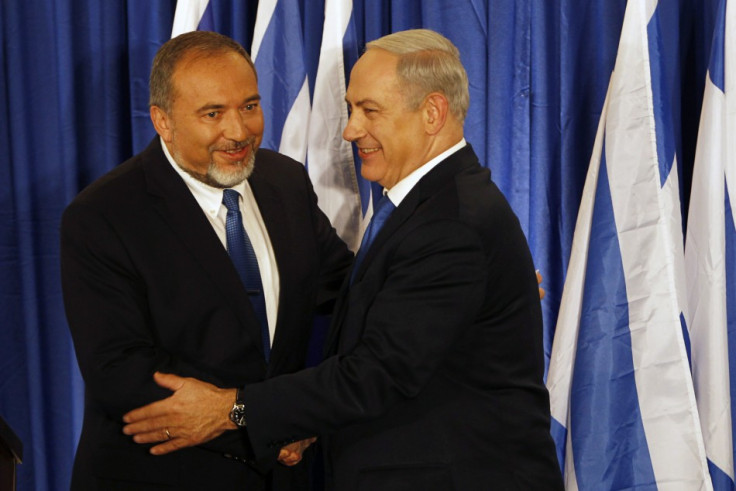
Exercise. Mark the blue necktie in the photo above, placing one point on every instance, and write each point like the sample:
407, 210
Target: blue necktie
244, 258
381, 213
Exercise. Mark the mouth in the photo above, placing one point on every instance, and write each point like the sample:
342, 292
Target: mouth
235, 153
365, 152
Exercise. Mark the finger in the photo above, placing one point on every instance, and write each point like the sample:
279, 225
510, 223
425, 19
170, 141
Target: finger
154, 410
168, 380
286, 456
171, 446
542, 293
146, 425
539, 276
152, 437
290, 461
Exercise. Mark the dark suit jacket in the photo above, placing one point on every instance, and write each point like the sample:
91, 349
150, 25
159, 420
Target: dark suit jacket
437, 379
148, 286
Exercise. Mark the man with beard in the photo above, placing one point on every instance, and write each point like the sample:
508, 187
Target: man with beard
202, 256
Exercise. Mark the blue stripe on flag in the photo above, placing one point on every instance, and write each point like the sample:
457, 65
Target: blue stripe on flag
716, 69
607, 433
663, 122
281, 69
720, 480
559, 435
730, 260
207, 22
686, 338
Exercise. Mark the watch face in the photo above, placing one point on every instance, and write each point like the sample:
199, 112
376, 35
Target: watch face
237, 415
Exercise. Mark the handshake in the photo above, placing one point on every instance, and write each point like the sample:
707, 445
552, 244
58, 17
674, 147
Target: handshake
195, 413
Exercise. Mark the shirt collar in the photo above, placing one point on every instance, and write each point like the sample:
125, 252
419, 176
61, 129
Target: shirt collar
397, 193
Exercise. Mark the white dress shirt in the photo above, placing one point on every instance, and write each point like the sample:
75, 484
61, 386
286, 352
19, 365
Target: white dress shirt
210, 200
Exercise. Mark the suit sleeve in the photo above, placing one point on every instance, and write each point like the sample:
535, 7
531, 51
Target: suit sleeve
335, 257
433, 289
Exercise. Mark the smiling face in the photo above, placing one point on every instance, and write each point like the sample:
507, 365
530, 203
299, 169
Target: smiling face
215, 123
391, 138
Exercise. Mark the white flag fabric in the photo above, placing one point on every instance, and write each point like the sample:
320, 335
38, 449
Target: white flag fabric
330, 158
622, 399
188, 15
278, 54
710, 252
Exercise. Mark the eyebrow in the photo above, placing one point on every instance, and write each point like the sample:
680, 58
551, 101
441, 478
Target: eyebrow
363, 102
210, 107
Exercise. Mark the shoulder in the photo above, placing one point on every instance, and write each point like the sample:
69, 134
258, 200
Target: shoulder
128, 179
281, 172
270, 163
459, 201
122, 191
115, 185
462, 189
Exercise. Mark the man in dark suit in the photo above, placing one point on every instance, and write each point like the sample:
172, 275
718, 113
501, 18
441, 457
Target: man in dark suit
149, 285
435, 382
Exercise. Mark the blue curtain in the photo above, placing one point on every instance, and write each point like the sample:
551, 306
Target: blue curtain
73, 104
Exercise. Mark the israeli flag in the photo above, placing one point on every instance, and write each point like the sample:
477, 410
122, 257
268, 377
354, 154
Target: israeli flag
622, 398
330, 158
710, 253
278, 53
188, 16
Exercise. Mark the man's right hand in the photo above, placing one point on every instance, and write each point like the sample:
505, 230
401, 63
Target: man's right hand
195, 413
291, 454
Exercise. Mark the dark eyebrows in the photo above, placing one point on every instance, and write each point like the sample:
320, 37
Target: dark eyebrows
210, 107
217, 107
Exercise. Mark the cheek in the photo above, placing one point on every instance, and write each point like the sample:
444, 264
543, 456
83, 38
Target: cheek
255, 126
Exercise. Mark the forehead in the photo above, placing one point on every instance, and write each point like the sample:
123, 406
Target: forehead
373, 74
212, 74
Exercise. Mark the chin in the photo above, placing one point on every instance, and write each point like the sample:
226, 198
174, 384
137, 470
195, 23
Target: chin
368, 175
228, 178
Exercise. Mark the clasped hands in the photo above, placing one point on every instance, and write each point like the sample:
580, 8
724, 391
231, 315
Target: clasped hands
195, 413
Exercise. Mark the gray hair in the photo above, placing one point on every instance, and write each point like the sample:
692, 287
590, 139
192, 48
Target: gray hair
199, 43
428, 62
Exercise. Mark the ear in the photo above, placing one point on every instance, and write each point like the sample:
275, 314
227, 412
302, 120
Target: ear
162, 123
435, 112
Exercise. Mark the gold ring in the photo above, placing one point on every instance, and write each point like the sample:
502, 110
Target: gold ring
168, 435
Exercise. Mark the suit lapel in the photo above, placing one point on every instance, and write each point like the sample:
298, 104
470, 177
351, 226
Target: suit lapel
427, 186
269, 199
175, 203
424, 189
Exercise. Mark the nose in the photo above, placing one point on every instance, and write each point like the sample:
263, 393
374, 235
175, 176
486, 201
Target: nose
353, 130
234, 127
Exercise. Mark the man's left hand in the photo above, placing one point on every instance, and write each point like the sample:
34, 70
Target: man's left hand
195, 413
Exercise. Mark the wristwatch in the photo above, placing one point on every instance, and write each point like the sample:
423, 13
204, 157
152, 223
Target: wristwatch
237, 413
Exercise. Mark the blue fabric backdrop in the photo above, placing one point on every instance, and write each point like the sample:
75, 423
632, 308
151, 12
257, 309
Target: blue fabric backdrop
73, 104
